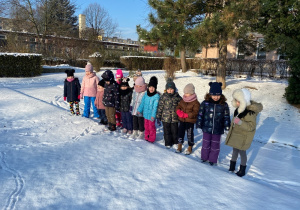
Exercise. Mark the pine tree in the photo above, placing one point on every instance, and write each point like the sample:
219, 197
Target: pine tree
173, 25
279, 22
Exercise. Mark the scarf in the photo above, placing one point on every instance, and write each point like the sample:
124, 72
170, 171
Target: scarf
140, 89
125, 92
190, 98
70, 79
151, 94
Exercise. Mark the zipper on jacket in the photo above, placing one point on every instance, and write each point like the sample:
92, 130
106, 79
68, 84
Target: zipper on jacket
214, 119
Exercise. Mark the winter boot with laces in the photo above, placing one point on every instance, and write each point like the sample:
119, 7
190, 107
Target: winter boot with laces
134, 134
189, 150
242, 171
232, 166
179, 148
141, 135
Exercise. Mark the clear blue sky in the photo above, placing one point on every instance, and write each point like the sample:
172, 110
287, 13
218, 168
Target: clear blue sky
126, 13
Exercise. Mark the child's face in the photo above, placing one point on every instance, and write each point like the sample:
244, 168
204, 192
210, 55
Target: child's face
187, 94
100, 88
124, 87
118, 79
151, 89
170, 91
107, 82
87, 73
216, 98
237, 103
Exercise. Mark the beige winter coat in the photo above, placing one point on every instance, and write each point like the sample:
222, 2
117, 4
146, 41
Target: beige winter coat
241, 136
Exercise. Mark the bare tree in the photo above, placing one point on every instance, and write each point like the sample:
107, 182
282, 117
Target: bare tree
99, 21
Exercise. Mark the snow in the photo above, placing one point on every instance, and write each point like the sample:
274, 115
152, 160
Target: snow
20, 54
51, 160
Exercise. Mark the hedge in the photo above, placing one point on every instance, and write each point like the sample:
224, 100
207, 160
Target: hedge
142, 62
20, 65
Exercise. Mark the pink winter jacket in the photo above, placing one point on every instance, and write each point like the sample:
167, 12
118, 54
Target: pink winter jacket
89, 85
98, 101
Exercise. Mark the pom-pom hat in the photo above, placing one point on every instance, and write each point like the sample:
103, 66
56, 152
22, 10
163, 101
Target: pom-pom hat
170, 84
153, 82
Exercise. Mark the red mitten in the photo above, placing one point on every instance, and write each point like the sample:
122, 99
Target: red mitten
179, 113
65, 98
184, 115
79, 97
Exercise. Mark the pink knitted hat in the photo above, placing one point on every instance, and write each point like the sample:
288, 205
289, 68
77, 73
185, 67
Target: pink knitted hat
119, 73
89, 67
140, 81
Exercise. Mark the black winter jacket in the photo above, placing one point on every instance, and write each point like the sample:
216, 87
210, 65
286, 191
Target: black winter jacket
213, 117
111, 97
125, 99
72, 90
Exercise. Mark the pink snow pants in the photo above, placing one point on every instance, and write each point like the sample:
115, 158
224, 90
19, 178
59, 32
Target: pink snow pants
150, 130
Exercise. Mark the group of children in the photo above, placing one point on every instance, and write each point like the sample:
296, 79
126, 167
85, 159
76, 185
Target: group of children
137, 110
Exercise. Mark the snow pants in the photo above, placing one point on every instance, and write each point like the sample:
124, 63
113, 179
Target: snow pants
150, 130
88, 101
210, 147
189, 127
138, 123
118, 119
110, 114
170, 133
127, 120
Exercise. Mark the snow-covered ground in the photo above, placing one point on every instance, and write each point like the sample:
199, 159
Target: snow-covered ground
51, 160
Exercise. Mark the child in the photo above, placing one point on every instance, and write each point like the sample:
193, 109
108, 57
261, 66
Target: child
125, 100
148, 108
166, 112
140, 88
99, 104
89, 91
242, 128
137, 74
72, 91
187, 111
119, 76
213, 118
110, 99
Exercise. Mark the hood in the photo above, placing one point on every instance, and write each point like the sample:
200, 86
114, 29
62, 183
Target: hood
108, 75
255, 107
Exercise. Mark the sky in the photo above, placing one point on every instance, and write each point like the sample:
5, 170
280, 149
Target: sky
126, 13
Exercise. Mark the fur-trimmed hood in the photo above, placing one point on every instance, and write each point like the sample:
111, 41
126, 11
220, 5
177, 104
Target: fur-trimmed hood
243, 96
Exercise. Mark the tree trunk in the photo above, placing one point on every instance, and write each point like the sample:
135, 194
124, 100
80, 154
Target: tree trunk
221, 71
183, 61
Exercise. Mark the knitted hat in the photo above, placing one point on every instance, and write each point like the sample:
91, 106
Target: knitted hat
170, 84
215, 88
125, 82
189, 89
153, 82
119, 74
243, 96
101, 83
140, 81
70, 72
89, 67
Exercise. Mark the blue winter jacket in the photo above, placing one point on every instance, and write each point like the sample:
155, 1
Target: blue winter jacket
148, 106
213, 118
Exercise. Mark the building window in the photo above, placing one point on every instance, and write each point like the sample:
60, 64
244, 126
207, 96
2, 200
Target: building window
240, 54
261, 52
2, 36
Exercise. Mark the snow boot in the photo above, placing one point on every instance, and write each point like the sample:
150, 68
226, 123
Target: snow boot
141, 135
242, 171
189, 150
179, 148
134, 134
112, 127
232, 166
108, 127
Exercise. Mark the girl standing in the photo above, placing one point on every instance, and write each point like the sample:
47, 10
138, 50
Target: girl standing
243, 127
213, 118
125, 100
148, 108
89, 91
72, 91
139, 91
166, 112
187, 111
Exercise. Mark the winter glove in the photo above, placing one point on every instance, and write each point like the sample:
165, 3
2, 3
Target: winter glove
237, 121
185, 115
158, 122
179, 113
65, 98
199, 130
78, 97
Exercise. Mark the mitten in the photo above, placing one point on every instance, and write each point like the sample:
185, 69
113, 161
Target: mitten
179, 113
184, 115
158, 122
237, 121
65, 98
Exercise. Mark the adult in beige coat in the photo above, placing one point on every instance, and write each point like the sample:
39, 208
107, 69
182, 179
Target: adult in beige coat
243, 127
